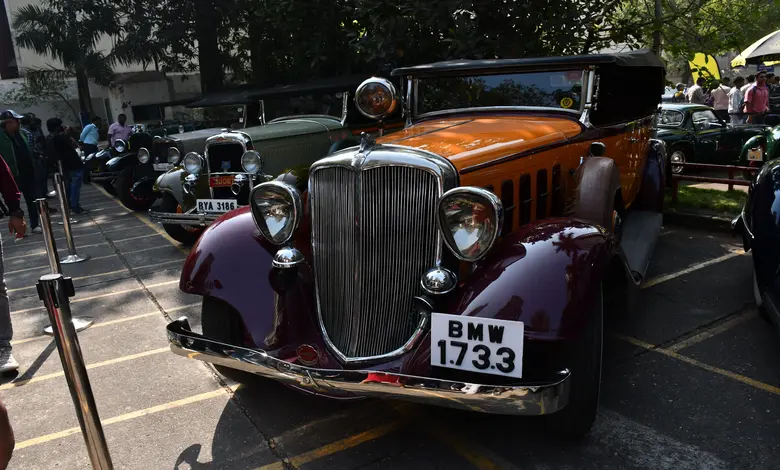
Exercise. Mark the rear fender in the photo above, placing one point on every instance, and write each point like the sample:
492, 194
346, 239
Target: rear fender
651, 193
753, 142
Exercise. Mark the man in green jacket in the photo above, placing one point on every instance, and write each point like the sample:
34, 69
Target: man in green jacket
17, 154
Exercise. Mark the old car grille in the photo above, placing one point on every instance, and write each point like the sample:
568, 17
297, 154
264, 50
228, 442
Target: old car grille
372, 243
160, 152
225, 158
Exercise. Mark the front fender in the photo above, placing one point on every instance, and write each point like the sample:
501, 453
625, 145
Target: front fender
546, 276
121, 162
171, 182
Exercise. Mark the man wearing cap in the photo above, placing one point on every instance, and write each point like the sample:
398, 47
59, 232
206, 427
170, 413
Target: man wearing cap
17, 227
17, 154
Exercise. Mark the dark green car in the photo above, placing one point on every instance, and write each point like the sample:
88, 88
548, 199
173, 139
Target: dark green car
694, 133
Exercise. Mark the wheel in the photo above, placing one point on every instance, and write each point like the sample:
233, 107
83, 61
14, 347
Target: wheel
584, 357
758, 295
678, 156
222, 322
180, 233
597, 194
109, 187
124, 185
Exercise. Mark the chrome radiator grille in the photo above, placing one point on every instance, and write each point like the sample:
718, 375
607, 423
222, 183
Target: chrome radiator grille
374, 235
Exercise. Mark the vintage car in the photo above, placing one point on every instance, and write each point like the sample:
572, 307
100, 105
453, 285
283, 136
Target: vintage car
295, 125
465, 261
761, 148
759, 226
97, 166
695, 134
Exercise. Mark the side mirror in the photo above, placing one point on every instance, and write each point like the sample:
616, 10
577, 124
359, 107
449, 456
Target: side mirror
597, 149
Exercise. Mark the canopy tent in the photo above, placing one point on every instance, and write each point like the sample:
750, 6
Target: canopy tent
766, 50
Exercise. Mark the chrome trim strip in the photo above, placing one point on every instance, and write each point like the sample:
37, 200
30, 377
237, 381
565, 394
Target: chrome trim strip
344, 108
528, 399
373, 157
588, 92
190, 219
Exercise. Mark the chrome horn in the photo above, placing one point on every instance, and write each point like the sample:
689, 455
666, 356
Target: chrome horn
238, 182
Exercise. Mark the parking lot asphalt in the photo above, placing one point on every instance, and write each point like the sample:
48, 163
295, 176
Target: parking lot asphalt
691, 378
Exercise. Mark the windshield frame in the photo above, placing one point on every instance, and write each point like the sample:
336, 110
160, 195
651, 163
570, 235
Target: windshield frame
586, 94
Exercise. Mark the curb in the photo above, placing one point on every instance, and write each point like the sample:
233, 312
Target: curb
698, 221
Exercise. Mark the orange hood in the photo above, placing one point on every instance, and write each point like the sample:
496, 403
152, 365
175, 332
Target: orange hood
470, 141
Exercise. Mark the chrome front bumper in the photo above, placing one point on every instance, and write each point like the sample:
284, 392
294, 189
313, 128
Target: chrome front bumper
195, 219
512, 400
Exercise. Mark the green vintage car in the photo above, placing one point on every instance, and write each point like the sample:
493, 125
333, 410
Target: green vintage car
294, 126
694, 133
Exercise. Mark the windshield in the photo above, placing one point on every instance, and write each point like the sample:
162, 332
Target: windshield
329, 104
561, 89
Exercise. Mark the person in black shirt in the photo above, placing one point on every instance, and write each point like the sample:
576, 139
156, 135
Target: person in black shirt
59, 148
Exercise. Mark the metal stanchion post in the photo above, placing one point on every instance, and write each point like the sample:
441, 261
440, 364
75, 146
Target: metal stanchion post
54, 290
72, 257
79, 323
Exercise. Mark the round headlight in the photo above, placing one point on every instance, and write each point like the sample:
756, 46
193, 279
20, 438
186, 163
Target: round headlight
375, 98
470, 219
277, 209
193, 162
120, 145
174, 156
251, 162
143, 155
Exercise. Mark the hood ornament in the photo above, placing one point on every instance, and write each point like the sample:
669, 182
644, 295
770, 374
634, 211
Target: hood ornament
366, 142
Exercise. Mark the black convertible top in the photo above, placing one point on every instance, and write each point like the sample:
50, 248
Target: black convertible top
638, 58
250, 93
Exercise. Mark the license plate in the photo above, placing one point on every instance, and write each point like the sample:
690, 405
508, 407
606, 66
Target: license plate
162, 166
221, 181
477, 344
755, 155
216, 205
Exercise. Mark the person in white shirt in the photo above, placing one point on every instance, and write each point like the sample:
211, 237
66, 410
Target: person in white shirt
696, 93
720, 100
750, 81
735, 101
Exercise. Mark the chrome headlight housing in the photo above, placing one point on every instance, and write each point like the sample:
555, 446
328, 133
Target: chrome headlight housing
376, 98
470, 220
174, 156
277, 210
143, 155
252, 162
193, 162
120, 145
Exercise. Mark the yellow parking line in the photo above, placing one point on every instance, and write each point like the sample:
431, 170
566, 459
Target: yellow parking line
690, 269
716, 370
90, 276
41, 378
129, 416
100, 296
148, 223
709, 333
111, 322
335, 447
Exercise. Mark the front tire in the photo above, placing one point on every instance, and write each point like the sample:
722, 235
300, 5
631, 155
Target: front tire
585, 358
223, 323
124, 185
677, 157
183, 235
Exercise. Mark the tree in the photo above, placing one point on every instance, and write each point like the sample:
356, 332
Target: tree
69, 31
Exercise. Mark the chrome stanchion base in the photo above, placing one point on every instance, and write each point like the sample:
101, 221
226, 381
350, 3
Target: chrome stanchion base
79, 323
72, 259
72, 220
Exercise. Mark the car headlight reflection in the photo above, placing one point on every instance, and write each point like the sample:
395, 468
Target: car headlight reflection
174, 156
252, 162
277, 209
470, 219
193, 162
120, 145
143, 155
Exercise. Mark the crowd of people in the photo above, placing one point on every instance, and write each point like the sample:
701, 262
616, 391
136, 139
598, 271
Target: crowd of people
740, 101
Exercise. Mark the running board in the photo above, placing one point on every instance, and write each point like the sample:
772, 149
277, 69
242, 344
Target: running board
640, 232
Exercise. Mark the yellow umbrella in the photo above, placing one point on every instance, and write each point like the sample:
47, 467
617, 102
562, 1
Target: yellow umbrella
739, 61
705, 66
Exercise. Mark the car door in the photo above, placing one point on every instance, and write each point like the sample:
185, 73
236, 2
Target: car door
708, 130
